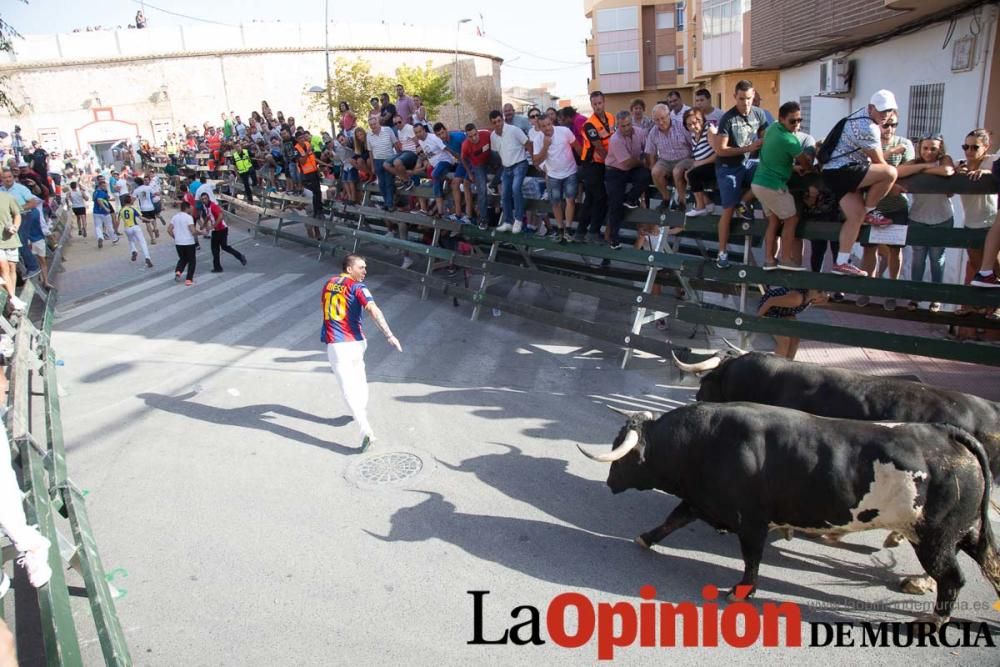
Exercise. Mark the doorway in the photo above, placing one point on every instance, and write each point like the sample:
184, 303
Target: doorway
102, 150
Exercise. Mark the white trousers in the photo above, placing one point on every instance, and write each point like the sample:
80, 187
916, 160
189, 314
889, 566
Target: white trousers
347, 361
103, 227
137, 240
12, 518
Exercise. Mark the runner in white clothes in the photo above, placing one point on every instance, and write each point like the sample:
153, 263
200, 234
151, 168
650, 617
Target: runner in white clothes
78, 202
345, 300
143, 194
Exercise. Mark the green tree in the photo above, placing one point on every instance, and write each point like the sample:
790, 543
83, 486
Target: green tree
7, 36
351, 81
433, 87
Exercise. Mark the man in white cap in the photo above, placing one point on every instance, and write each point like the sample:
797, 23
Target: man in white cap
855, 163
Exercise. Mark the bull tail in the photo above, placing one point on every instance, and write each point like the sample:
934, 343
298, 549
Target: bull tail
984, 552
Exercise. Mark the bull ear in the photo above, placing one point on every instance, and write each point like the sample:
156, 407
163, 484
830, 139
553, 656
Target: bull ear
740, 351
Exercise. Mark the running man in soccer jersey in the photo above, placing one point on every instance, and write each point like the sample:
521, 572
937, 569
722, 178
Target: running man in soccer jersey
345, 300
129, 217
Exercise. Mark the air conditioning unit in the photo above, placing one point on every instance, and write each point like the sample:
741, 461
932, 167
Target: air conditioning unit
835, 77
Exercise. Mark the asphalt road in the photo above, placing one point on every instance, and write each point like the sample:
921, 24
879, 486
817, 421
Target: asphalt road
233, 509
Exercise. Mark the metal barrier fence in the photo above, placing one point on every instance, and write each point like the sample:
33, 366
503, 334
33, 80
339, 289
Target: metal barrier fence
683, 263
52, 500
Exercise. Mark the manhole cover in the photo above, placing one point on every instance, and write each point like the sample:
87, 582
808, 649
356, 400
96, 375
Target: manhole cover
389, 468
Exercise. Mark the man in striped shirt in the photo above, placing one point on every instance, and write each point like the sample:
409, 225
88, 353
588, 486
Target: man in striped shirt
668, 153
383, 146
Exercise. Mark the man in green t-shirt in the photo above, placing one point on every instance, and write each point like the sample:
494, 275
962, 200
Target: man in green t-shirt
779, 154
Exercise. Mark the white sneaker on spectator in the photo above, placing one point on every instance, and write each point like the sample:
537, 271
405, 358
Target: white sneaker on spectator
407, 262
542, 231
465, 220
453, 218
505, 227
17, 303
518, 225
697, 212
35, 559
4, 584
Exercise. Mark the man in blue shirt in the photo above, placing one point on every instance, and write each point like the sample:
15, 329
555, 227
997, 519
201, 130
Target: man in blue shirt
29, 204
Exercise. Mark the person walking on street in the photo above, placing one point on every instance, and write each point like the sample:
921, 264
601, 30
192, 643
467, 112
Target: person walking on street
345, 300
183, 231
216, 222
129, 216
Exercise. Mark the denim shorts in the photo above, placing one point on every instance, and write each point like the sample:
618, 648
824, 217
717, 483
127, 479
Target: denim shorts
350, 175
437, 177
408, 158
460, 172
561, 188
733, 180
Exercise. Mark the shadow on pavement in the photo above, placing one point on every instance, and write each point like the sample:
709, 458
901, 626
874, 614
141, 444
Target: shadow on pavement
250, 416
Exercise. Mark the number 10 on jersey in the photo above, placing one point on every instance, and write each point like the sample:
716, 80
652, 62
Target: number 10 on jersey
336, 306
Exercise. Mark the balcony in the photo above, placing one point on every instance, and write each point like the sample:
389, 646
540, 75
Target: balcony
926, 6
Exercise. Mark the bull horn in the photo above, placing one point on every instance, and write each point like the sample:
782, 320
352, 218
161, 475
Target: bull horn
630, 413
628, 444
732, 347
700, 367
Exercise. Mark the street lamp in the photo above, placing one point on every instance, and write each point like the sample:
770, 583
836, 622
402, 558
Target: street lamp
458, 27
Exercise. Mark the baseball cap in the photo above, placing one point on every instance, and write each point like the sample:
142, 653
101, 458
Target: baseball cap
883, 100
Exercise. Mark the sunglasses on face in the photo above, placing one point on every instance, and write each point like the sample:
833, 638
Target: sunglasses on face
534, 115
795, 121
888, 125
971, 147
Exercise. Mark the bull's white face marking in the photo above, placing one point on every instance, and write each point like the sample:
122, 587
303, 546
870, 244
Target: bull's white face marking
892, 494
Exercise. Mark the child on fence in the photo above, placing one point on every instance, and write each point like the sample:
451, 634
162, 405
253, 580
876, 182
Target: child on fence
78, 202
130, 217
785, 303
931, 210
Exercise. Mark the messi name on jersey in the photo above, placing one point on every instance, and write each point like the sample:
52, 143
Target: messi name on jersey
344, 301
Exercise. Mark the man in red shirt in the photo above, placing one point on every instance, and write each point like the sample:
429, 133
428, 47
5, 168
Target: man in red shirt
476, 160
216, 221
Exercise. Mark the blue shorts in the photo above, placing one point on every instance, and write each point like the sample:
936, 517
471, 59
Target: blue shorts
408, 158
460, 172
437, 176
733, 181
561, 188
293, 172
350, 175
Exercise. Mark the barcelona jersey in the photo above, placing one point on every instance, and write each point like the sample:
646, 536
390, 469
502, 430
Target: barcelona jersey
344, 301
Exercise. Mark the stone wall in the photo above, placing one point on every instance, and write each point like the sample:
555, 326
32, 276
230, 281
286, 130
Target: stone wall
59, 96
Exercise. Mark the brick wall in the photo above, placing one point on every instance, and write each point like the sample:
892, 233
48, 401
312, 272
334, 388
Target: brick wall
788, 30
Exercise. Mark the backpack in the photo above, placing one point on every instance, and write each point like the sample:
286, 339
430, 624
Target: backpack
825, 152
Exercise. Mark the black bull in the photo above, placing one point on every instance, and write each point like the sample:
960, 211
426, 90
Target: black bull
833, 392
748, 468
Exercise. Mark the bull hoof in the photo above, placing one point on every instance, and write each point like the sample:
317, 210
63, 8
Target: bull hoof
893, 539
788, 533
642, 543
918, 585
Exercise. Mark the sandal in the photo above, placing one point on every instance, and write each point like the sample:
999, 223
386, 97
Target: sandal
913, 305
935, 307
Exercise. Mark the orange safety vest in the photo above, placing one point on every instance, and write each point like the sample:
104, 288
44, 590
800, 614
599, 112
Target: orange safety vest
307, 161
605, 128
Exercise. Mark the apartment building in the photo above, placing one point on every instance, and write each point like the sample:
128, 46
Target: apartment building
640, 49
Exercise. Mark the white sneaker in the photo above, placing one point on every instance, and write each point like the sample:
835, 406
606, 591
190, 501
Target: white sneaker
518, 225
697, 212
542, 230
505, 227
17, 303
407, 262
4, 584
35, 559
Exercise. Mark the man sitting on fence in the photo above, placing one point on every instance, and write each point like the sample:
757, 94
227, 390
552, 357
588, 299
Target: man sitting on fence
624, 166
854, 162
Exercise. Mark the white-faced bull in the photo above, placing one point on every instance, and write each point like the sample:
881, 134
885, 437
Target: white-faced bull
748, 468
